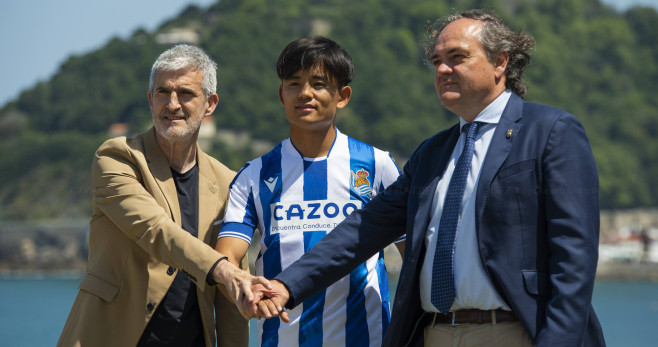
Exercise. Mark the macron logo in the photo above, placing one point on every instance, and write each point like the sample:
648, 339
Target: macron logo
271, 183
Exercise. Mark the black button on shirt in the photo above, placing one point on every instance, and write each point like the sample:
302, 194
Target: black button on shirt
177, 320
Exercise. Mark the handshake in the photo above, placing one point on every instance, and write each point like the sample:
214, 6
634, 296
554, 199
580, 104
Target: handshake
255, 296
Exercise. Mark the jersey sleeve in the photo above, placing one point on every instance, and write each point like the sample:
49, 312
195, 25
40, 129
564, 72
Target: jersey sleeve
240, 218
389, 170
388, 173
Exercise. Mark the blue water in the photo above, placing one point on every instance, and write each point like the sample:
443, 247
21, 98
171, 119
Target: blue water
33, 311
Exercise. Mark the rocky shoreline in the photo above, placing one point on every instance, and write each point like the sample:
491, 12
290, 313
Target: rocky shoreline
59, 248
627, 271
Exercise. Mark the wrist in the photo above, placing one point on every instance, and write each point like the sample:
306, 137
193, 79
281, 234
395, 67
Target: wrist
282, 289
220, 274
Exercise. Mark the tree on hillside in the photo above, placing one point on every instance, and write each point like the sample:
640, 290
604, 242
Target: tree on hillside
589, 60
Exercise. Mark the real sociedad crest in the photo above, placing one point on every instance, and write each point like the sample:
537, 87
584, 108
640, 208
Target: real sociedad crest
360, 183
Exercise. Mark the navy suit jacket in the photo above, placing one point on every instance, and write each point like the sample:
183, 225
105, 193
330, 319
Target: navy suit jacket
537, 217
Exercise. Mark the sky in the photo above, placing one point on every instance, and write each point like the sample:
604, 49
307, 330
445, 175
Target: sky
37, 36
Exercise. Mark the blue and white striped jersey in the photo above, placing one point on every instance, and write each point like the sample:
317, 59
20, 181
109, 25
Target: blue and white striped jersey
294, 202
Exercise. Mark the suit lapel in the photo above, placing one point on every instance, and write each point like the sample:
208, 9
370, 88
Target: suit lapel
503, 138
437, 161
441, 155
208, 196
159, 166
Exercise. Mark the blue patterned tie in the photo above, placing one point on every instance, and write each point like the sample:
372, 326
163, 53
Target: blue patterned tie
443, 282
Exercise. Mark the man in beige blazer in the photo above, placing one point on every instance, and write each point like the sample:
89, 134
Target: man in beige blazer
158, 205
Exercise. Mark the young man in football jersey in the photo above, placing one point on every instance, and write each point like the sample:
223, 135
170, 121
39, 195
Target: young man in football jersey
295, 194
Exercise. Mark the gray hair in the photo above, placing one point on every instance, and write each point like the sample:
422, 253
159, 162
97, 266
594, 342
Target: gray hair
184, 57
495, 37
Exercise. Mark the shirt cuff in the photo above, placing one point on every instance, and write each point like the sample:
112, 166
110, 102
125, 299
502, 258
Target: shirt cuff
211, 281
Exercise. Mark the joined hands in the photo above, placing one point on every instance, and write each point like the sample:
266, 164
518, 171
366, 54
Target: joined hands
255, 296
268, 302
238, 284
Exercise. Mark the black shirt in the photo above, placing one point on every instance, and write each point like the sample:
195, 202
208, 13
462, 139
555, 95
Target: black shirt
177, 320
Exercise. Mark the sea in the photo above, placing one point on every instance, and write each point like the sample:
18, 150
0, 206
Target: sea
33, 310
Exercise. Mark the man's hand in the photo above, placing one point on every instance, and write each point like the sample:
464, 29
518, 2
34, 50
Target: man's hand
275, 299
238, 283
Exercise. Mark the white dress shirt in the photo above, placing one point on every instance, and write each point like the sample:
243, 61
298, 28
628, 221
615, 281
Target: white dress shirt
473, 286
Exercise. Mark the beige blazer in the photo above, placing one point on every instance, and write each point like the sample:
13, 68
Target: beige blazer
136, 245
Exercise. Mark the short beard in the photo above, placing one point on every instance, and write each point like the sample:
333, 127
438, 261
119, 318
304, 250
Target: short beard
176, 133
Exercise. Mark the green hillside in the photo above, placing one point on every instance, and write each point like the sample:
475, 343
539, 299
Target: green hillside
590, 60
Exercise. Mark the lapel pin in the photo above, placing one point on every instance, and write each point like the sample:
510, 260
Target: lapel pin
509, 133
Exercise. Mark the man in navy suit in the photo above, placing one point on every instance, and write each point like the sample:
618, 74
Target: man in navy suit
521, 257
